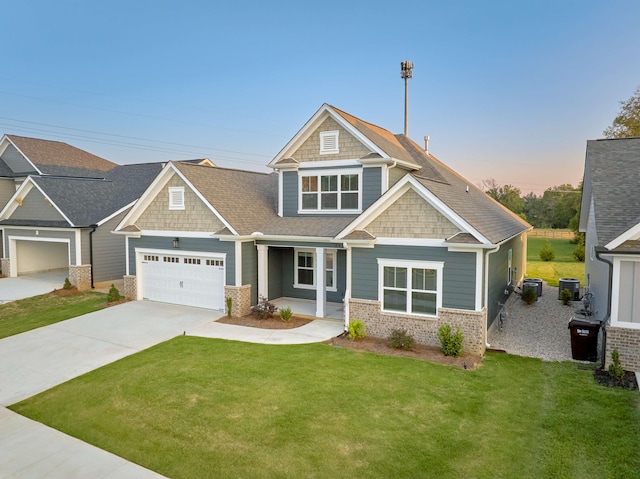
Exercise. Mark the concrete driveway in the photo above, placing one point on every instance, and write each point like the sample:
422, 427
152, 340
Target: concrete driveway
26, 286
37, 360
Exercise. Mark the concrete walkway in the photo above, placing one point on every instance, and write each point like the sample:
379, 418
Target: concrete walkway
37, 360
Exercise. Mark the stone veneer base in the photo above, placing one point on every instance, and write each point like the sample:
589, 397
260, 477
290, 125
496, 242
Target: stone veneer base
241, 299
80, 276
424, 330
130, 286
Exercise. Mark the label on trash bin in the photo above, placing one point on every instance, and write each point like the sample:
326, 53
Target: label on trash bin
582, 332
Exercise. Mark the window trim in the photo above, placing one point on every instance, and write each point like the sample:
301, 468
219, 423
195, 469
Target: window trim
330, 172
297, 285
324, 135
615, 292
438, 266
509, 267
172, 203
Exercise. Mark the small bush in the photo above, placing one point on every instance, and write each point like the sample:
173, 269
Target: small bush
400, 339
566, 296
285, 314
529, 295
113, 295
615, 368
547, 253
356, 330
229, 301
264, 309
67, 284
578, 253
451, 342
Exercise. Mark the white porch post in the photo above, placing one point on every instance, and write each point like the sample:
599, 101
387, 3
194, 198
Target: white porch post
263, 270
321, 282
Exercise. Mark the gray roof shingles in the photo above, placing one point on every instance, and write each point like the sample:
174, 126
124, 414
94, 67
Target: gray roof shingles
614, 169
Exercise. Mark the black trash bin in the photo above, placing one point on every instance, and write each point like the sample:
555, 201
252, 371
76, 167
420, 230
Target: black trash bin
584, 339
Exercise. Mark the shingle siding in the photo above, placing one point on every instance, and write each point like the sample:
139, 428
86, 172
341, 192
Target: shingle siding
349, 147
196, 216
411, 217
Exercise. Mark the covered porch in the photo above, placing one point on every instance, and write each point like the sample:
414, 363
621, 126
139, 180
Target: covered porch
307, 307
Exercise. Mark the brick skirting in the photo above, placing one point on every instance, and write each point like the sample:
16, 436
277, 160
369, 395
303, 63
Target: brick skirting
241, 299
627, 342
424, 330
80, 276
130, 286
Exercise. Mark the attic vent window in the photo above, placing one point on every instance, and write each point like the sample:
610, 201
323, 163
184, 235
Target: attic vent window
328, 142
176, 198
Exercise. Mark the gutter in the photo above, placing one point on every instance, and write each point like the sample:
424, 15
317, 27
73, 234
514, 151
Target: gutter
93, 230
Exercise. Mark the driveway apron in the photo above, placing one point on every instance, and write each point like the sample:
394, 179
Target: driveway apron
37, 360
12, 289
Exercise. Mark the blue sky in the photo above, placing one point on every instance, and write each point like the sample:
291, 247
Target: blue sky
505, 89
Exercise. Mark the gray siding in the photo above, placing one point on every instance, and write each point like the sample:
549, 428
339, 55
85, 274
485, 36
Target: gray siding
36, 207
498, 274
250, 268
108, 251
206, 245
458, 275
7, 189
371, 186
43, 233
16, 161
281, 276
290, 193
371, 189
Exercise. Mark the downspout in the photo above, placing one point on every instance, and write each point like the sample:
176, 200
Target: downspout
94, 227
486, 289
607, 316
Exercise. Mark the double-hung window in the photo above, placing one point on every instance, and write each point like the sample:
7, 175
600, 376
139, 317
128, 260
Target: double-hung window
305, 272
330, 191
410, 287
625, 306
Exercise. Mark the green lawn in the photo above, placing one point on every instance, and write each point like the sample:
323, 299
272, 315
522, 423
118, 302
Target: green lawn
30, 313
197, 408
563, 266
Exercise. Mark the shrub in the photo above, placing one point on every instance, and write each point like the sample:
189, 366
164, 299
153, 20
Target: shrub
400, 339
566, 296
67, 284
451, 342
578, 253
285, 314
113, 294
264, 309
547, 253
229, 301
356, 330
529, 295
615, 368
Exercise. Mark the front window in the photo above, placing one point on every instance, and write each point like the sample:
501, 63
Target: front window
305, 269
330, 192
411, 287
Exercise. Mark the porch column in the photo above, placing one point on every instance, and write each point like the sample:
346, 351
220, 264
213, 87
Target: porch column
321, 282
263, 270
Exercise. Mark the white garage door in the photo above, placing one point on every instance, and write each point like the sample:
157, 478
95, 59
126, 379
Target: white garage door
190, 280
41, 255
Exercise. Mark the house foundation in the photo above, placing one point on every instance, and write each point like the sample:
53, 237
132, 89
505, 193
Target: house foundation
130, 286
380, 324
5, 266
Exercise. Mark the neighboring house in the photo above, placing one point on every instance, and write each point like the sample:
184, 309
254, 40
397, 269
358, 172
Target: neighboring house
352, 214
58, 205
610, 217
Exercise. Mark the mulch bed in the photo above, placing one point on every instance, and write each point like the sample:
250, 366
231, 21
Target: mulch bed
274, 322
370, 344
628, 380
420, 351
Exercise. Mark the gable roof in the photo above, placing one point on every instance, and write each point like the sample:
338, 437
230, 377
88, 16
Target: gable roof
88, 201
610, 186
58, 158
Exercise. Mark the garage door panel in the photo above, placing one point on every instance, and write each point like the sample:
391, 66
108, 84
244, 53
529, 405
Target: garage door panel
189, 280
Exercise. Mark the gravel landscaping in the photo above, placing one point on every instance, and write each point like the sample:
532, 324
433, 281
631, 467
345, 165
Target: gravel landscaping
537, 331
